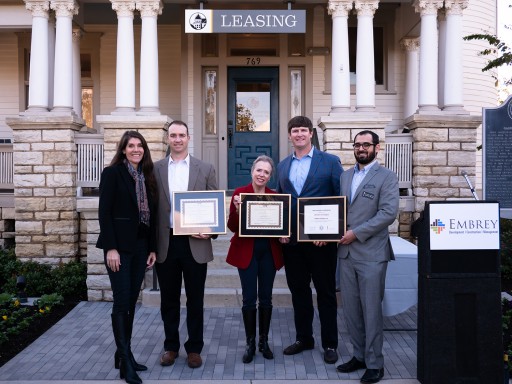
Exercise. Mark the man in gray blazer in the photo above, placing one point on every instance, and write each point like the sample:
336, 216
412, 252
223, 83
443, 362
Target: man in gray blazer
181, 256
364, 251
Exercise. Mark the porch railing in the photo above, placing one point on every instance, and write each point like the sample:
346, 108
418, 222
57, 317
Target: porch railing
399, 157
89, 159
6, 167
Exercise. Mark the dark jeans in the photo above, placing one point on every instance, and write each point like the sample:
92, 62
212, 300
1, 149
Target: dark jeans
258, 278
305, 262
180, 264
127, 281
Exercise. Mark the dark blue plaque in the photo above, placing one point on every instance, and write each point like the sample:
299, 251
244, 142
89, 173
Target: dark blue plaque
497, 150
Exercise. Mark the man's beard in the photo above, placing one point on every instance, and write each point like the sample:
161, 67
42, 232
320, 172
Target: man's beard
366, 160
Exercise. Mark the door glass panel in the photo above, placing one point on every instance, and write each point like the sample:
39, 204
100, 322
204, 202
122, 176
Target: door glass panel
295, 92
210, 102
253, 107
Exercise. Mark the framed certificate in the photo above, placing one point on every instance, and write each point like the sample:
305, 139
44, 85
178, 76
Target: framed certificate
321, 218
265, 215
196, 212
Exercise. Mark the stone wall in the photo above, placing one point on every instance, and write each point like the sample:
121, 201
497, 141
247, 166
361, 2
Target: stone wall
44, 158
444, 146
7, 227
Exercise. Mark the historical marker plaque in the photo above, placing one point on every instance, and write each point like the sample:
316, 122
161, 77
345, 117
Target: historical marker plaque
497, 151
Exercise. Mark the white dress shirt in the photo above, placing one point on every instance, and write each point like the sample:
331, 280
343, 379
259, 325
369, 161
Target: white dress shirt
178, 177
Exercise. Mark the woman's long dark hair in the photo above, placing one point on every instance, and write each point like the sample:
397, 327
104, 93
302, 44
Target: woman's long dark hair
146, 163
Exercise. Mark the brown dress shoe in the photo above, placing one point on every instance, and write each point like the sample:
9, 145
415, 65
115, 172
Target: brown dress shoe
168, 358
194, 360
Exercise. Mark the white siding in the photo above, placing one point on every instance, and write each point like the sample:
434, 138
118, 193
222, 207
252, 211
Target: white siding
107, 69
9, 89
169, 61
479, 89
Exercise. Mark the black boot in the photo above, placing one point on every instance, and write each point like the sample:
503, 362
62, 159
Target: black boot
264, 317
126, 369
249, 316
137, 366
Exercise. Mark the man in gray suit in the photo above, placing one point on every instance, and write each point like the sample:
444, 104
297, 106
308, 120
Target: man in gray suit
181, 256
364, 252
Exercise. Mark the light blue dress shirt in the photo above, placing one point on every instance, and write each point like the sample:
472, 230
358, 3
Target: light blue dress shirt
358, 177
299, 170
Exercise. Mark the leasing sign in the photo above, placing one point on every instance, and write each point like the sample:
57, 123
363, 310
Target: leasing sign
243, 21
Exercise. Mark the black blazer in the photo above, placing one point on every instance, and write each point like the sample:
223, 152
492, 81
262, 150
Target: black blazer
119, 213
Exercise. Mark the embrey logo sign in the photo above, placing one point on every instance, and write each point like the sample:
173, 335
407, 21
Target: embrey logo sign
437, 226
465, 225
240, 21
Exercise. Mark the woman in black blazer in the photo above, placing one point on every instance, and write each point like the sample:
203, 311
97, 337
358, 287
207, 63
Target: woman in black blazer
128, 238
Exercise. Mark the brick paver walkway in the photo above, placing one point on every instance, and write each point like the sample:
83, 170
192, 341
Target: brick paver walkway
81, 347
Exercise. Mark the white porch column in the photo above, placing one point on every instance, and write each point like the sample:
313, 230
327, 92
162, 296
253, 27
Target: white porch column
340, 80
441, 60
63, 82
411, 47
51, 59
38, 88
77, 73
149, 10
365, 65
427, 97
453, 85
125, 62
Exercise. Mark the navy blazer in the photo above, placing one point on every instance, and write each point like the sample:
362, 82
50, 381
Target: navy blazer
119, 212
323, 180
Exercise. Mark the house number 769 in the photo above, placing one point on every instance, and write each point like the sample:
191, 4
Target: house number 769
253, 61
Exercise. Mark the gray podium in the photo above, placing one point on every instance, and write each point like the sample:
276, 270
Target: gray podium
459, 294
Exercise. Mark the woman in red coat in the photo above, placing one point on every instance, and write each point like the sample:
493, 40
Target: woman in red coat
257, 260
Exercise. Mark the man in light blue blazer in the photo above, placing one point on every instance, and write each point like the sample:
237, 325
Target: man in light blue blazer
308, 172
364, 251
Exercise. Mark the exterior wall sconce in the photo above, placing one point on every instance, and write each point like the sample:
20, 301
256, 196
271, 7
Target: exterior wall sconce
318, 51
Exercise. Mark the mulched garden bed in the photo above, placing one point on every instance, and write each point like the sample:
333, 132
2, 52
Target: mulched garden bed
39, 325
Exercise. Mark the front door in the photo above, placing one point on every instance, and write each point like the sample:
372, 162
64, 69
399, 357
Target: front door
253, 121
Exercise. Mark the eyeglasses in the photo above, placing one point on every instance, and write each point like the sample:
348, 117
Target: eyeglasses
364, 145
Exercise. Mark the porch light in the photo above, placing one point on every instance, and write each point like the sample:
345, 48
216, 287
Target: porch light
21, 283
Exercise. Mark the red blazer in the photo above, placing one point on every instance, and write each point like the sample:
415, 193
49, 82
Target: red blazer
241, 248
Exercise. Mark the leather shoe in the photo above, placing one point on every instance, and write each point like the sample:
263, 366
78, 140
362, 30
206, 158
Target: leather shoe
194, 360
298, 347
168, 358
372, 376
351, 366
330, 355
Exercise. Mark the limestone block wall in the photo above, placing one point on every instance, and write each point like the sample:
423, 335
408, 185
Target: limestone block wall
44, 158
98, 284
444, 146
7, 227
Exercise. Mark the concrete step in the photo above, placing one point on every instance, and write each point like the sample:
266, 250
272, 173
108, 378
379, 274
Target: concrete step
224, 278
222, 282
222, 297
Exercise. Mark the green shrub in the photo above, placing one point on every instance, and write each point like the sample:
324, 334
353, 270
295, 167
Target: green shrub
506, 307
14, 317
67, 279
70, 280
38, 277
9, 266
506, 248
46, 302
